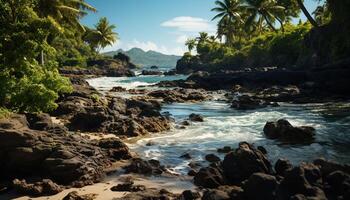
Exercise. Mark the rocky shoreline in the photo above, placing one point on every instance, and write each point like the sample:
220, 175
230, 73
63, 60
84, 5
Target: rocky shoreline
44, 154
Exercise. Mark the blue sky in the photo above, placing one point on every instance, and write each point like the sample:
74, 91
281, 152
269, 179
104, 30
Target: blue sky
159, 25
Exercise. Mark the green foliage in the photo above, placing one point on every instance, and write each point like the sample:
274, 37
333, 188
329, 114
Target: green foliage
4, 113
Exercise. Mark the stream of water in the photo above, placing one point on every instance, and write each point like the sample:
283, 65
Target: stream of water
224, 126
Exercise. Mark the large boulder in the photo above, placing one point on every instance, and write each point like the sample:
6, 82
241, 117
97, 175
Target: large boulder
240, 164
210, 177
260, 186
139, 166
246, 102
44, 187
64, 158
286, 132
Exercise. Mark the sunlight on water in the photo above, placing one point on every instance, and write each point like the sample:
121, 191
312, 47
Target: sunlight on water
224, 126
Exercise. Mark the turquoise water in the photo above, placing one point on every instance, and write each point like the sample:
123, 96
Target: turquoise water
224, 126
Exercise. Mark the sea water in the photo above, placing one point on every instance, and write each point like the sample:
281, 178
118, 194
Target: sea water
224, 126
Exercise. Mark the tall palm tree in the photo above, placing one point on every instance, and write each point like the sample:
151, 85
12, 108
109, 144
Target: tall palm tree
191, 44
307, 14
102, 35
264, 11
64, 12
230, 15
203, 37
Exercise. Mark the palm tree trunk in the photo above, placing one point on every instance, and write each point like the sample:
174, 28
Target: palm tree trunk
281, 22
307, 14
42, 58
269, 23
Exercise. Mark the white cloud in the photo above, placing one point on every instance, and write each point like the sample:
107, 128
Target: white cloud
189, 24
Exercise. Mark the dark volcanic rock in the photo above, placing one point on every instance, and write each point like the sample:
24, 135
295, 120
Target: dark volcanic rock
212, 158
75, 196
196, 117
140, 166
285, 132
45, 187
281, 166
128, 187
190, 195
146, 72
64, 158
209, 177
117, 89
115, 148
240, 164
180, 95
246, 102
260, 186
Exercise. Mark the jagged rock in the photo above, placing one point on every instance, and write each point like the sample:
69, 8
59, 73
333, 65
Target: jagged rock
196, 117
190, 195
140, 166
43, 122
179, 95
147, 72
225, 149
117, 89
260, 186
284, 131
209, 177
281, 166
215, 194
75, 196
246, 102
212, 158
240, 164
116, 148
44, 187
328, 167
128, 187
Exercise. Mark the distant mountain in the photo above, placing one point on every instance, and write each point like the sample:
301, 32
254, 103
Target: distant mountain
149, 58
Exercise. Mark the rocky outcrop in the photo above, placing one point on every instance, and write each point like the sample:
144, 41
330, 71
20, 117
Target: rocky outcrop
75, 196
139, 166
284, 131
44, 187
86, 110
102, 67
179, 95
196, 117
152, 72
64, 158
246, 102
248, 168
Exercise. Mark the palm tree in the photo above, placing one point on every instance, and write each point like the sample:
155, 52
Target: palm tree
190, 43
203, 37
264, 11
64, 12
230, 14
307, 14
321, 14
102, 35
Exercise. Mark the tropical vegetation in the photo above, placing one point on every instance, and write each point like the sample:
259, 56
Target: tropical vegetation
37, 37
261, 33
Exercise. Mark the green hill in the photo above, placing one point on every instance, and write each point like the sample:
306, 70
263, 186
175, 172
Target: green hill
149, 58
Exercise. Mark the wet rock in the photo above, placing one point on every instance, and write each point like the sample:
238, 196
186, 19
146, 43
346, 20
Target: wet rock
43, 122
185, 123
186, 156
44, 187
196, 117
190, 195
192, 172
246, 102
128, 187
281, 166
64, 158
179, 95
212, 158
117, 89
337, 185
295, 183
260, 186
215, 194
225, 149
240, 164
284, 131
147, 72
194, 164
149, 194
75, 196
115, 148
327, 166
140, 166
209, 177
